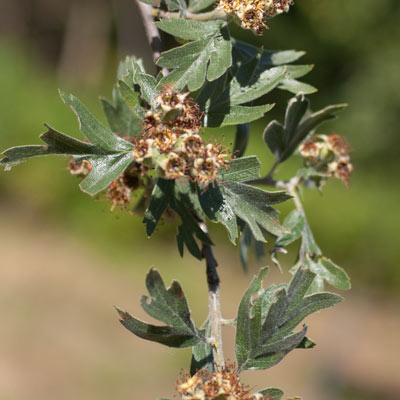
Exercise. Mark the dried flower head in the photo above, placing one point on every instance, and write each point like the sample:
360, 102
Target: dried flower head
143, 149
119, 194
172, 144
205, 385
329, 155
80, 168
252, 14
173, 166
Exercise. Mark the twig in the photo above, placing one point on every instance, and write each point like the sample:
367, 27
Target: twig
214, 302
152, 33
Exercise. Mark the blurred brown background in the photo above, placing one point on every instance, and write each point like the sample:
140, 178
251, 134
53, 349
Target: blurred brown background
66, 260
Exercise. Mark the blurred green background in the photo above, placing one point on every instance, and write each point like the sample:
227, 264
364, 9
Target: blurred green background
67, 259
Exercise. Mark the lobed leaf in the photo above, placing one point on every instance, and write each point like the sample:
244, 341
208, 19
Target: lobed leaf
267, 321
168, 306
207, 57
94, 130
283, 140
56, 143
230, 199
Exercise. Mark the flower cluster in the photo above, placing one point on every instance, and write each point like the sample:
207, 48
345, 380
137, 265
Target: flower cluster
253, 13
328, 154
224, 384
171, 141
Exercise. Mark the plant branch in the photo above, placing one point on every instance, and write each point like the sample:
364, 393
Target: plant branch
152, 33
208, 16
214, 302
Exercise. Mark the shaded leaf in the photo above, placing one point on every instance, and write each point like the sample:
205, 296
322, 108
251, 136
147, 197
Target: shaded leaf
243, 91
119, 116
283, 140
218, 209
242, 137
133, 74
280, 138
183, 199
168, 306
131, 96
234, 115
245, 52
221, 102
160, 200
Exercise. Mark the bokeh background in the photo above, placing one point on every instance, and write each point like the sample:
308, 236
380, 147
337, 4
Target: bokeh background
66, 259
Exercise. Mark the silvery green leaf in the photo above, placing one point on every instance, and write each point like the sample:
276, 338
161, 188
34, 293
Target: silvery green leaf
56, 143
206, 57
168, 306
104, 170
94, 130
272, 393
202, 353
267, 319
199, 5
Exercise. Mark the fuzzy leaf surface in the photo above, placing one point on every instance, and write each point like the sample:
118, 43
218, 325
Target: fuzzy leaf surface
202, 353
168, 306
56, 143
284, 139
208, 56
181, 197
119, 116
96, 132
230, 199
265, 328
104, 170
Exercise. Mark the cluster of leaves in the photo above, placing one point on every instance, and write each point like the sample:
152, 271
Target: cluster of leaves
283, 139
241, 75
265, 324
